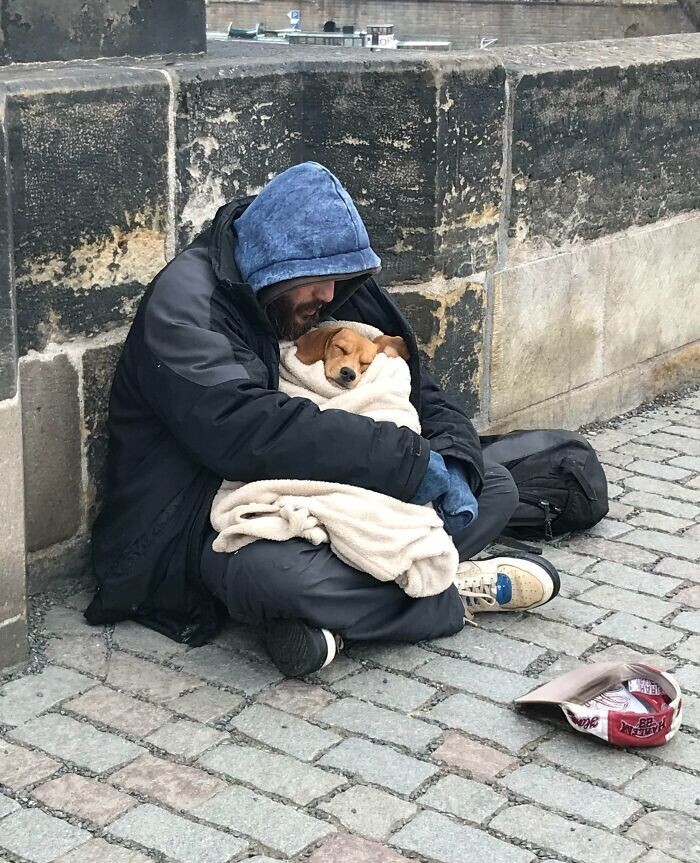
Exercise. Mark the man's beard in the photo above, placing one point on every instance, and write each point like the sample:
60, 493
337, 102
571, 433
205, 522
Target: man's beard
289, 320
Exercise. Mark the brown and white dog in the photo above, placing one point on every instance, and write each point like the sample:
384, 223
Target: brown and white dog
345, 353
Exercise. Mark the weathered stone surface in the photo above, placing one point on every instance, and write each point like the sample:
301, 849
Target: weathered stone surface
381, 724
86, 653
20, 767
52, 448
292, 735
368, 811
175, 785
667, 789
8, 336
99, 851
185, 738
388, 689
105, 28
84, 798
492, 648
296, 696
624, 164
119, 711
379, 765
591, 758
468, 800
205, 704
352, 849
90, 198
671, 832
225, 667
25, 698
148, 679
478, 679
480, 761
38, 837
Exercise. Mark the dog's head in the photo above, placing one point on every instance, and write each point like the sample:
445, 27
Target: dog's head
345, 353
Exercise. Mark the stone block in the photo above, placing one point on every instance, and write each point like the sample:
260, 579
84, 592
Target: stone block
682, 751
185, 738
69, 559
643, 605
52, 448
591, 759
481, 680
129, 635
400, 657
40, 30
86, 653
174, 785
601, 137
205, 704
378, 723
271, 772
379, 765
146, 679
118, 711
619, 552
99, 851
20, 767
83, 798
666, 788
689, 649
224, 667
296, 696
89, 154
7, 805
658, 471
676, 545
492, 648
547, 787
689, 620
275, 825
288, 733
670, 832
565, 837
679, 568
176, 837
99, 364
390, 690
552, 635
77, 742
38, 837
656, 502
369, 811
468, 800
437, 837
28, 696
351, 849
448, 316
480, 761
636, 631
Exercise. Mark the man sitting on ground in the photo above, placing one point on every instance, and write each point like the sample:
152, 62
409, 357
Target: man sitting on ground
195, 399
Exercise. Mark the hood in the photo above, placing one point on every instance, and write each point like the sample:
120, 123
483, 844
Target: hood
303, 225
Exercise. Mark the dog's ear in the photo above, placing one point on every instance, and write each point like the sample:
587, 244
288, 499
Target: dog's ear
392, 346
311, 347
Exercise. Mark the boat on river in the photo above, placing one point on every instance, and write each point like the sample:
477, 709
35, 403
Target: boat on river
373, 36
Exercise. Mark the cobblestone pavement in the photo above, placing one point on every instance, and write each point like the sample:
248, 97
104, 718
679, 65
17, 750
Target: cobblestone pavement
123, 746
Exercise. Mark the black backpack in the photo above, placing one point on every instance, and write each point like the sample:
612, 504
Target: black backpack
561, 483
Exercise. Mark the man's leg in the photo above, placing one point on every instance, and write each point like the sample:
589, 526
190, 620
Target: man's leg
267, 581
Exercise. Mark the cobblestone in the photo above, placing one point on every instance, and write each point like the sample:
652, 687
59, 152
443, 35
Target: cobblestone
552, 635
400, 657
378, 723
175, 785
205, 704
185, 738
480, 761
679, 569
471, 801
146, 679
38, 837
689, 620
296, 696
368, 811
353, 849
591, 759
20, 767
99, 851
86, 653
678, 545
84, 798
668, 789
386, 688
689, 649
659, 521
659, 503
619, 599
118, 711
670, 832
632, 579
379, 764
281, 731
491, 648
478, 679
634, 630
221, 666
25, 698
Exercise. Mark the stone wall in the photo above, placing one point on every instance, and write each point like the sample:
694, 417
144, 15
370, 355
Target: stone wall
537, 211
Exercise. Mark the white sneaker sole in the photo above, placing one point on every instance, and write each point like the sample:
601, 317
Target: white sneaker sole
331, 645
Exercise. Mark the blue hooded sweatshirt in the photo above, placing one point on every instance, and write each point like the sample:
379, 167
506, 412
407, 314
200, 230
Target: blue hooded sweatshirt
303, 225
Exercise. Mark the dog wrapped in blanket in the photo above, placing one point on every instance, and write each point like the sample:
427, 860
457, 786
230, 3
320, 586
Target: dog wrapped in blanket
377, 534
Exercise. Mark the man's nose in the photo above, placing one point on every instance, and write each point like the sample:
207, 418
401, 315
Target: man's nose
324, 291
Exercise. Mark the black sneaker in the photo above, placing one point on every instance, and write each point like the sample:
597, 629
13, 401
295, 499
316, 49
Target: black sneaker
298, 649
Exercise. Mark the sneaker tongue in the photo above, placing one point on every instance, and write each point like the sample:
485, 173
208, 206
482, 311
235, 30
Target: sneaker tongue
504, 589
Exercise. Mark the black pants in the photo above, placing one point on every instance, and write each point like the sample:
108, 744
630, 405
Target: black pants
267, 580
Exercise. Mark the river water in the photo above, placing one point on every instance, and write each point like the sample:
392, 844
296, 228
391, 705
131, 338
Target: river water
460, 22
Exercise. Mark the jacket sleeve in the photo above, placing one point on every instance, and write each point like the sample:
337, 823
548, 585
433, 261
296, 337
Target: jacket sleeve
450, 430
212, 393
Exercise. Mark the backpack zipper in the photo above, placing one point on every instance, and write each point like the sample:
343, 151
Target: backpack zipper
547, 507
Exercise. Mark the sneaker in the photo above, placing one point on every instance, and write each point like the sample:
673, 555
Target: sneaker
514, 583
298, 649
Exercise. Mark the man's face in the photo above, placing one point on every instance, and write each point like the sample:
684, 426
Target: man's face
297, 311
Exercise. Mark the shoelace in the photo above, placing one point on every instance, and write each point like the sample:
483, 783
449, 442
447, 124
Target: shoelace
478, 589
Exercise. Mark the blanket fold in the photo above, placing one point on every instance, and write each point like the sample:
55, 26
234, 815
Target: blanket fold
384, 537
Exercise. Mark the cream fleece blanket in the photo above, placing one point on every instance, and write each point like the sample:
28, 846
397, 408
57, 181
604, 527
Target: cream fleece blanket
399, 541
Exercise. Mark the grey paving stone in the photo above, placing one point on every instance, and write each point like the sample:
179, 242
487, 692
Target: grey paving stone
684, 430
386, 688
635, 630
129, 635
20, 767
378, 723
491, 648
627, 577
7, 805
437, 837
679, 569
341, 667
552, 789
176, 786
635, 451
656, 857
620, 552
620, 511
175, 836
302, 697
471, 801
59, 620
38, 837
566, 560
281, 731
379, 764
619, 599
681, 444
498, 685
623, 653
667, 789
678, 546
119, 711
591, 758
572, 585
658, 471
611, 438
568, 611
487, 721
28, 696
77, 742
369, 811
659, 503
558, 667
401, 657
689, 678
689, 620
243, 639
608, 528
661, 487
205, 704
99, 851
185, 738
687, 461
277, 826
552, 635
86, 653
691, 711
682, 750
147, 679
225, 667
270, 771
354, 849
564, 837
670, 832
659, 521
689, 649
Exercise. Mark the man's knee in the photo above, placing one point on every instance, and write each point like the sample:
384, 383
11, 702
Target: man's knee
500, 488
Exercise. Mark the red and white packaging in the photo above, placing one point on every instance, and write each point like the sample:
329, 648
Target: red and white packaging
624, 703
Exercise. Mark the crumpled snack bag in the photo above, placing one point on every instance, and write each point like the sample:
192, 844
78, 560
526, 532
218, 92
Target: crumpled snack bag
624, 703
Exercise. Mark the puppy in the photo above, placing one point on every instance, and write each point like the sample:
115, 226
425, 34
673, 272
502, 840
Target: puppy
345, 353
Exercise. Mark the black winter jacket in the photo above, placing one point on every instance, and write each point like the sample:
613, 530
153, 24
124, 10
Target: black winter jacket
195, 400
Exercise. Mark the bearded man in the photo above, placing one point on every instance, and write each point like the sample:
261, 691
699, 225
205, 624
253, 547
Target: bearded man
195, 400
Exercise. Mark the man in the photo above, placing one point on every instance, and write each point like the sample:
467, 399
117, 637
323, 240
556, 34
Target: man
195, 399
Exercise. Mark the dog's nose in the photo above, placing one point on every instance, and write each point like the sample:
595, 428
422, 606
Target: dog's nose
347, 374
